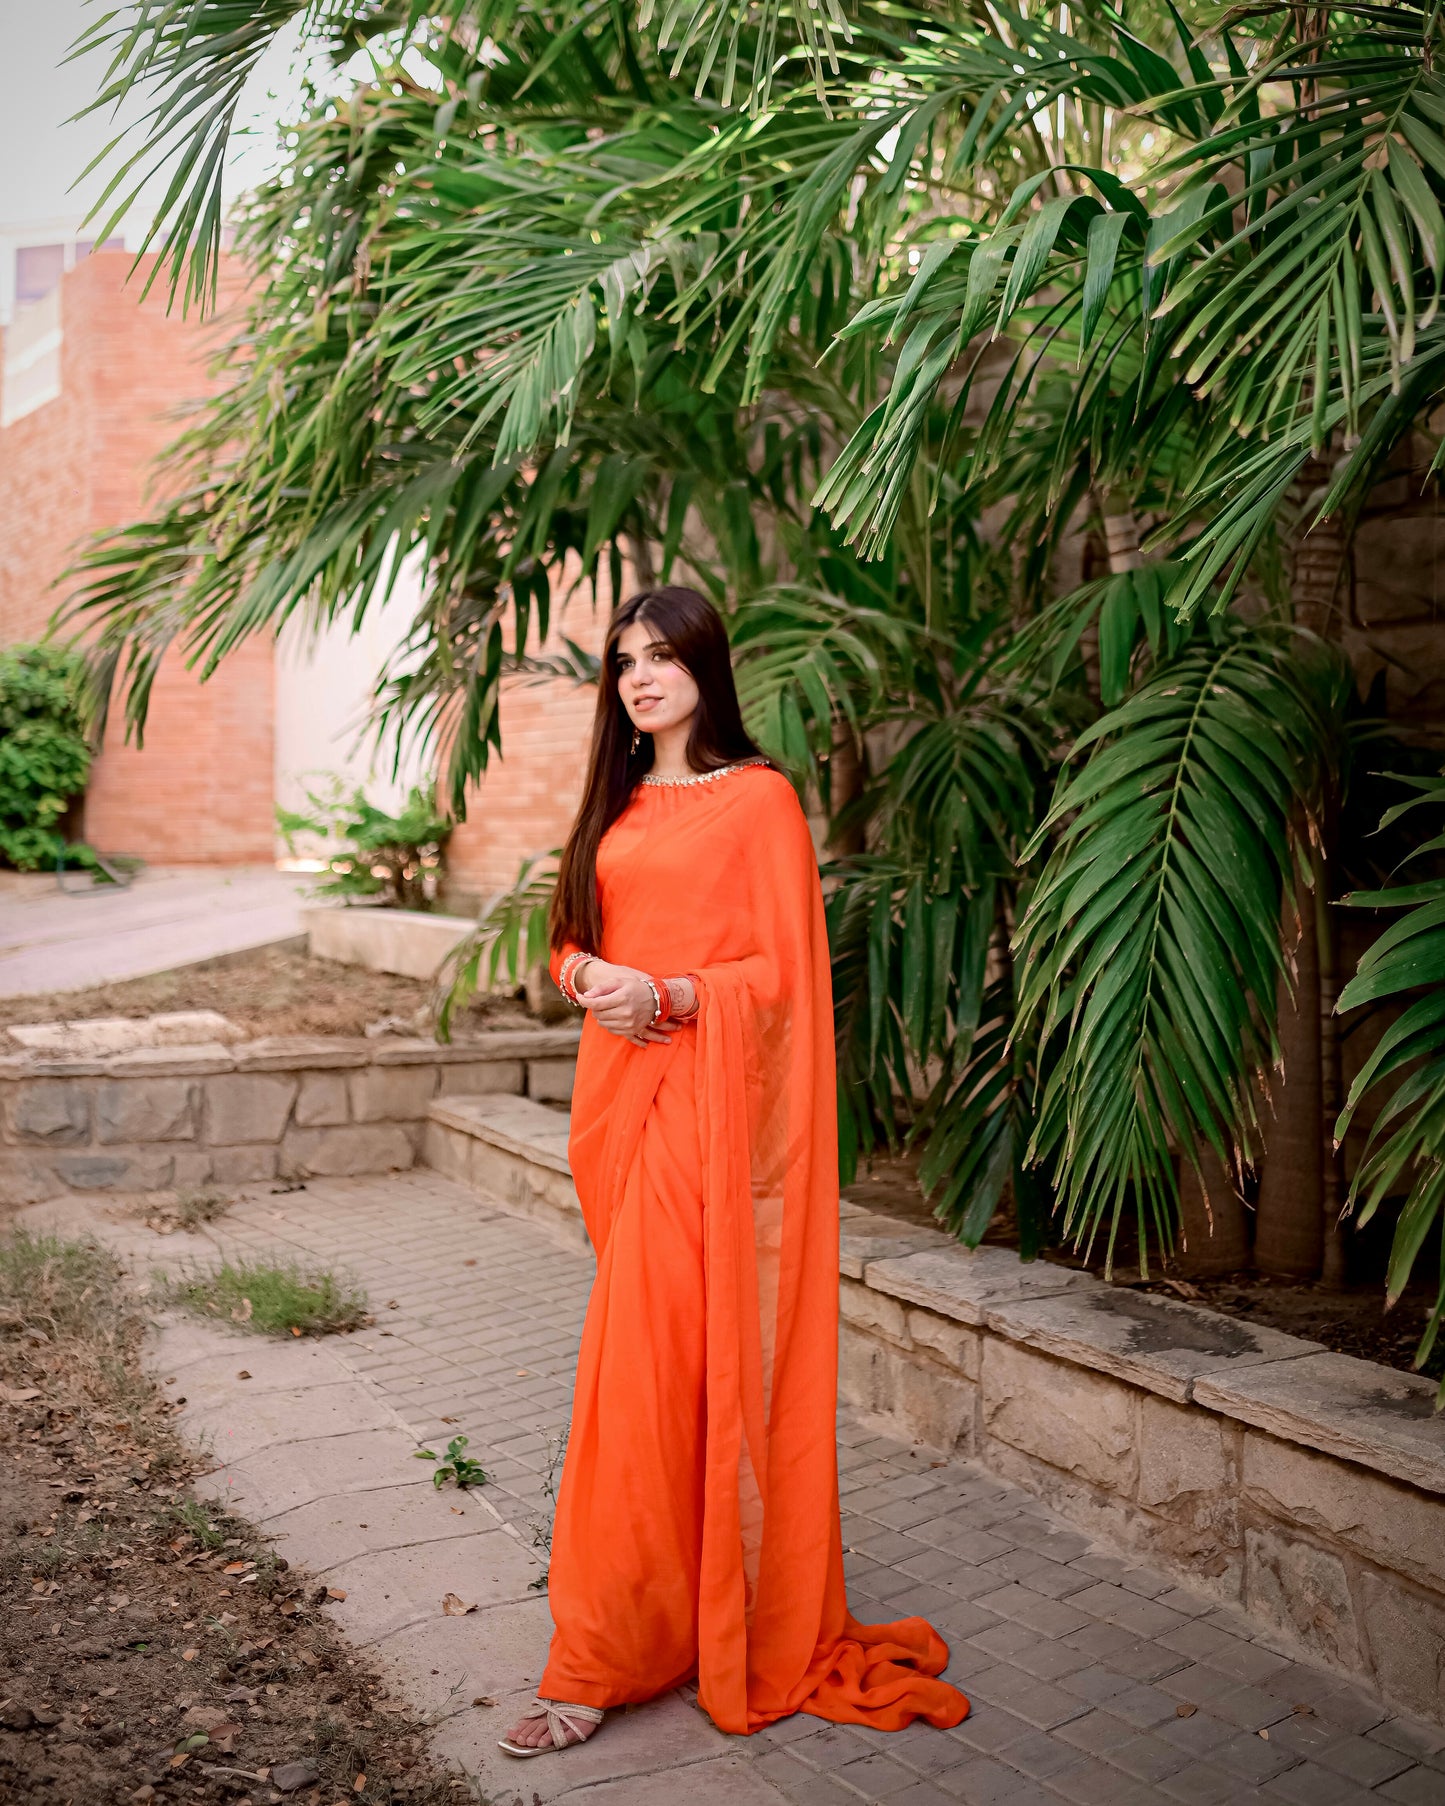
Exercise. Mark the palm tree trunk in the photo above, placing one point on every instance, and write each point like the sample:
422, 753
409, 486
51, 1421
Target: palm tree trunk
845, 786
1302, 1186
1214, 1226
1290, 1219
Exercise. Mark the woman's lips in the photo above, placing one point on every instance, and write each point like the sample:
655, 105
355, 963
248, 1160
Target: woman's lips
643, 703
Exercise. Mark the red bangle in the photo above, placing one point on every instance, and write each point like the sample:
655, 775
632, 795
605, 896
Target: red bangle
664, 1002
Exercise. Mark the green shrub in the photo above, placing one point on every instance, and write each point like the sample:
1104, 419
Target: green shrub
398, 857
44, 755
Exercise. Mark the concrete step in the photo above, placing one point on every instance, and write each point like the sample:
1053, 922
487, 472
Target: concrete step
513, 1149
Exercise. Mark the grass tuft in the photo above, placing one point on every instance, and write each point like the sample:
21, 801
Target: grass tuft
70, 1337
276, 1300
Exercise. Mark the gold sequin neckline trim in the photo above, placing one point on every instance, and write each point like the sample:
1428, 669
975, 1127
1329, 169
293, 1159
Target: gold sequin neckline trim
703, 777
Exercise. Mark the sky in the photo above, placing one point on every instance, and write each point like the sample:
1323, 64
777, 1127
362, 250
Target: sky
43, 150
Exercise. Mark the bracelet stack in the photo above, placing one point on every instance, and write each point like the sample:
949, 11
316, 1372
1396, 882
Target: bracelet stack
664, 1011
564, 977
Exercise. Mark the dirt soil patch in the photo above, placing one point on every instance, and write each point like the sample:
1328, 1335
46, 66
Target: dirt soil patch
151, 1648
1350, 1321
273, 991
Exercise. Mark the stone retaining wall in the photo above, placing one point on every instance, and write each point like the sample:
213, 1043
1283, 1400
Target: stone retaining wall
282, 1107
1304, 1488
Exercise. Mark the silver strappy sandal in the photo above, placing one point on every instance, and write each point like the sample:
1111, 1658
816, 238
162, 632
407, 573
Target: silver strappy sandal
559, 1716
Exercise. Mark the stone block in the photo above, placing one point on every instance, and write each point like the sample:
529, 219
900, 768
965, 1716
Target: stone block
247, 1106
54, 1112
962, 1282
480, 1078
405, 1050
955, 1344
241, 1166
446, 1150
1407, 1642
1079, 1421
1151, 1342
551, 1081
129, 1110
299, 1053
321, 1101
517, 1125
190, 1167
128, 1169
1185, 1466
25, 1178
343, 1152
185, 1028
1374, 1416
172, 1062
1304, 1591
92, 1038
865, 1236
391, 1093
873, 1310
1391, 1523
927, 1404
412, 942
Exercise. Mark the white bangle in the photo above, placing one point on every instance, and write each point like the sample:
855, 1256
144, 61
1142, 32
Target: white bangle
564, 976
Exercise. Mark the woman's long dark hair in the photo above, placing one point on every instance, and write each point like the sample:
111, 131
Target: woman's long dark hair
693, 629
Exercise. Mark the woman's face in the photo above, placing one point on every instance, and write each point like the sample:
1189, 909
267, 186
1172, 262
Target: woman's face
657, 692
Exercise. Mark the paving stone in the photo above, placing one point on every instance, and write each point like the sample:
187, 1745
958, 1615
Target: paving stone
1250, 1755
1364, 1761
1142, 1707
1201, 1784
1307, 1784
1416, 1787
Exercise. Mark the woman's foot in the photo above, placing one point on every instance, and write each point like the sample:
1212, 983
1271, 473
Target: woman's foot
557, 1728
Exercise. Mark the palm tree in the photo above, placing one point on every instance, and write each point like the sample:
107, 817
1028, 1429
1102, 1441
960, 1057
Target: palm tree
865, 319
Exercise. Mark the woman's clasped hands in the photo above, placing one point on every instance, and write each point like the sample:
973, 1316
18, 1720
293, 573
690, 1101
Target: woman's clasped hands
623, 1001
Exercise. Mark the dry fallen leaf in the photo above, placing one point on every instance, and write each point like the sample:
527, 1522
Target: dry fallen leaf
1265, 1735
235, 1567
19, 1395
1185, 1710
336, 1592
358, 1784
454, 1607
242, 1312
242, 1374
189, 1655
484, 1699
294, 1330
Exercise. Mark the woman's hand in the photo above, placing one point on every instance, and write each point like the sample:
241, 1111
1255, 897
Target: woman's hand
622, 1001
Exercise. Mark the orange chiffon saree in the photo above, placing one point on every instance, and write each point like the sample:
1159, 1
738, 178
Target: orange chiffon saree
697, 1530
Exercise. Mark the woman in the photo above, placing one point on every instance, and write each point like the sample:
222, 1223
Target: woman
697, 1528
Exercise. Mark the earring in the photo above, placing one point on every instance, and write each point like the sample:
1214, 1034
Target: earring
636, 742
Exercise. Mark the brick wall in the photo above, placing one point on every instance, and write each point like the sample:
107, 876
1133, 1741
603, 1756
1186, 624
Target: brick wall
201, 790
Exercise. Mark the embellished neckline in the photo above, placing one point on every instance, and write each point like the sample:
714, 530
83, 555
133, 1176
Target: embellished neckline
702, 777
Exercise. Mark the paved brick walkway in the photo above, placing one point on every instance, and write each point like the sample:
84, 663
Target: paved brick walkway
1079, 1663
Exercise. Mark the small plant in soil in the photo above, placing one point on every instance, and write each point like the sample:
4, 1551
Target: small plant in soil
455, 1465
275, 1299
187, 1211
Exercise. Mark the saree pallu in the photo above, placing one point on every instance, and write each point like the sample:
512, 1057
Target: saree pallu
697, 1528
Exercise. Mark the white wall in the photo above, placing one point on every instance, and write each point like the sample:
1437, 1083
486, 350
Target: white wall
323, 696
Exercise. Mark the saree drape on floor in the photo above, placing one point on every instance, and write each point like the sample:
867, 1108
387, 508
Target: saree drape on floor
697, 1527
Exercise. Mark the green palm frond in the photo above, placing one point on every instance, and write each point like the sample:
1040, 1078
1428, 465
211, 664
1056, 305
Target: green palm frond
1152, 939
510, 935
1405, 1149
